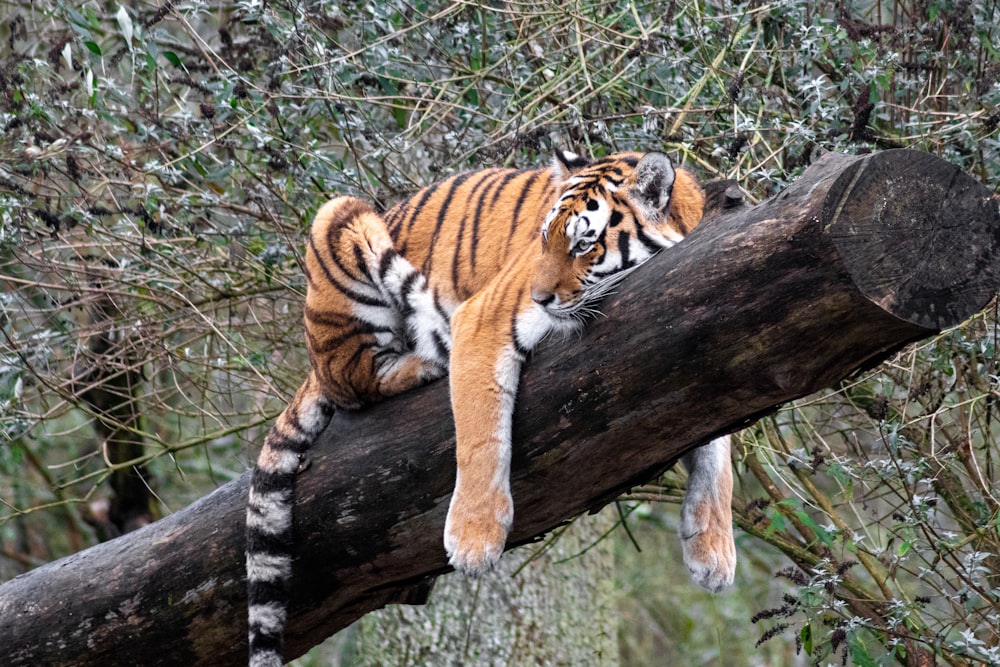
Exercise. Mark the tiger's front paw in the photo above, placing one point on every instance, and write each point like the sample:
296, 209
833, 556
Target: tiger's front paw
475, 533
706, 534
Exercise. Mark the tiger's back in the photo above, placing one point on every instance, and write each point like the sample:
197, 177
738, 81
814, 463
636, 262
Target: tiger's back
458, 272
461, 231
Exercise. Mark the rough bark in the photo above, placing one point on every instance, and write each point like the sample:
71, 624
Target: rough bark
109, 385
759, 306
547, 604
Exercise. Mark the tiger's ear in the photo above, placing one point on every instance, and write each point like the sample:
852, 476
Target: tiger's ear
566, 163
654, 181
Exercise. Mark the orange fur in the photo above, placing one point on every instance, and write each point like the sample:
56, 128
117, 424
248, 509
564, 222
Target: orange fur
456, 276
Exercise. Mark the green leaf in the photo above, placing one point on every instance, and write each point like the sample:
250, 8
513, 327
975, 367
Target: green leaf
399, 115
821, 533
806, 635
93, 47
777, 524
904, 548
125, 23
172, 58
859, 652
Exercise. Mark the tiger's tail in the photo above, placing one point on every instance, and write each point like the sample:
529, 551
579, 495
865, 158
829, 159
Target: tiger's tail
269, 519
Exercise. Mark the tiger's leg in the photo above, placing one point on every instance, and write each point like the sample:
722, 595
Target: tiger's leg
368, 295
706, 530
485, 369
425, 319
396, 373
417, 352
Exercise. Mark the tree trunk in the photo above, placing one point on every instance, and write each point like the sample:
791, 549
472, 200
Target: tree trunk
110, 385
546, 604
758, 307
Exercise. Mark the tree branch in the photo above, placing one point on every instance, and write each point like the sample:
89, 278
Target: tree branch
759, 306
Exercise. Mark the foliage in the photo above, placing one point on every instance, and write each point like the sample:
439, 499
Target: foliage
159, 163
881, 493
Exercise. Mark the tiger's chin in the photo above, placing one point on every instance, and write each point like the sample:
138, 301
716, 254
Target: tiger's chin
564, 316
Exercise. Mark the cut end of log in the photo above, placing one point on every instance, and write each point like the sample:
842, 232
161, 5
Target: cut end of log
918, 236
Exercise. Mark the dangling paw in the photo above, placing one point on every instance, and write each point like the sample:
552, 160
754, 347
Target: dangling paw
474, 536
706, 534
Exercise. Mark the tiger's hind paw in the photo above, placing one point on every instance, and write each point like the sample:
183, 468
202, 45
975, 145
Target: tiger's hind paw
709, 548
712, 565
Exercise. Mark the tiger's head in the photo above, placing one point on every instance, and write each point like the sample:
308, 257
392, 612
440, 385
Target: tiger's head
611, 216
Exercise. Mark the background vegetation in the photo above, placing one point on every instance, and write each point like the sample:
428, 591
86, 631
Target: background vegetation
160, 161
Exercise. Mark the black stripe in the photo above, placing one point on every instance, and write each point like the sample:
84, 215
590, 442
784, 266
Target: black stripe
319, 258
610, 160
440, 309
353, 295
646, 241
296, 423
623, 247
359, 258
596, 277
263, 481
487, 177
415, 210
394, 216
356, 325
351, 272
327, 408
601, 242
439, 344
354, 362
330, 319
453, 184
406, 289
270, 544
386, 262
525, 190
501, 183
262, 641
264, 592
283, 442
398, 300
360, 298
360, 331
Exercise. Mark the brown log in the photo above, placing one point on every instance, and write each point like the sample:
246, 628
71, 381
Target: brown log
759, 306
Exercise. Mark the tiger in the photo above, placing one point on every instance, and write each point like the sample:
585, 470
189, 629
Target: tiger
464, 279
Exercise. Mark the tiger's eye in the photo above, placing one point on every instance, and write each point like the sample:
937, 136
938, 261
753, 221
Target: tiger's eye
582, 248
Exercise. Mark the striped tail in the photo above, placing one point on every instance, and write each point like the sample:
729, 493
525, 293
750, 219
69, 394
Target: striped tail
269, 520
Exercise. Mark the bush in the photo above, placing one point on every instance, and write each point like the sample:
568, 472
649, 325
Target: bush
159, 164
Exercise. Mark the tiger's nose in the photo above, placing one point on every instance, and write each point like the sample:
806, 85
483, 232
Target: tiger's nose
542, 297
